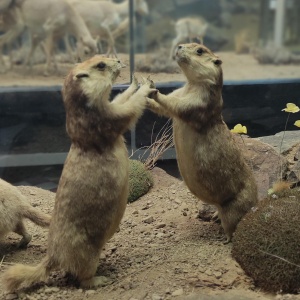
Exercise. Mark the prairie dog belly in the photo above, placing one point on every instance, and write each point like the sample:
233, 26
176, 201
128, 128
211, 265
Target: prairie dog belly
91, 185
206, 162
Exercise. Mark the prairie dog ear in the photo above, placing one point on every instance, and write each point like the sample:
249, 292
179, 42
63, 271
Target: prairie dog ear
81, 74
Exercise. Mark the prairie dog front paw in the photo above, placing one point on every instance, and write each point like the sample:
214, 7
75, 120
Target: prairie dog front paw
147, 88
134, 83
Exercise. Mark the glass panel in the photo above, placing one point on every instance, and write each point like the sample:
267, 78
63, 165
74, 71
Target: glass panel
256, 39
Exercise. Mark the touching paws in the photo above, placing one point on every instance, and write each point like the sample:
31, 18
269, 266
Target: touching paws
147, 88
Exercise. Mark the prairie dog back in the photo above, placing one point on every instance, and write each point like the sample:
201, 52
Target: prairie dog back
14, 207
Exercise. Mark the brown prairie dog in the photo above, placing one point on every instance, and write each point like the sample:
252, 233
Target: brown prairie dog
210, 162
93, 188
14, 207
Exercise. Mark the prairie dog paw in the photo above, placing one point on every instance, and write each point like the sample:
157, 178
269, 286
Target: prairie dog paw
134, 83
151, 103
148, 87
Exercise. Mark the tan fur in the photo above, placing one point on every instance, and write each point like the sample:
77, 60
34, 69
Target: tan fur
93, 188
103, 17
210, 162
14, 207
12, 25
187, 29
48, 21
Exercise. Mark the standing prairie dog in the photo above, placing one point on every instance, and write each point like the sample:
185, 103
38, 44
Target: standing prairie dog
93, 188
210, 162
14, 207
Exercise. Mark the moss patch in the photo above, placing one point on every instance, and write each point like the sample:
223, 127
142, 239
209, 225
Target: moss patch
140, 180
267, 243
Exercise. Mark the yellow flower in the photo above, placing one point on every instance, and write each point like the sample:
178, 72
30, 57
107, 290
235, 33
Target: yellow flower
239, 129
297, 123
291, 108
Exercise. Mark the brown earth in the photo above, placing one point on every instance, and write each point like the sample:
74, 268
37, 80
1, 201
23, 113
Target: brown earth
162, 251
236, 67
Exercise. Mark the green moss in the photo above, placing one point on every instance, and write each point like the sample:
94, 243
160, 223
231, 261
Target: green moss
267, 243
140, 180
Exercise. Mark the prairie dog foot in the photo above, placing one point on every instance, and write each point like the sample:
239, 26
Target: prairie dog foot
215, 216
24, 241
96, 281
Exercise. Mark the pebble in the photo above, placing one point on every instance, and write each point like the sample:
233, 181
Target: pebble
90, 292
156, 297
11, 296
160, 225
218, 275
135, 212
178, 292
51, 290
148, 220
208, 272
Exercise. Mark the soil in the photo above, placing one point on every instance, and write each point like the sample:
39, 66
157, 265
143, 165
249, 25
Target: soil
163, 250
236, 67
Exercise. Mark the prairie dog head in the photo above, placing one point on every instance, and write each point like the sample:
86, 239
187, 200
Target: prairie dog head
93, 79
86, 94
198, 63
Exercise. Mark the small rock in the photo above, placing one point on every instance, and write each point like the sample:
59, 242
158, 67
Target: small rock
177, 201
218, 275
160, 225
90, 292
135, 212
208, 272
156, 297
11, 296
148, 220
178, 292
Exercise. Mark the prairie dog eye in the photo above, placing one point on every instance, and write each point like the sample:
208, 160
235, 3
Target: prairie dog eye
200, 51
101, 66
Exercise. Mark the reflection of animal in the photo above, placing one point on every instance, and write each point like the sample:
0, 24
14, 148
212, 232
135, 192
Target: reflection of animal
13, 209
103, 17
188, 29
48, 21
272, 54
93, 188
12, 26
209, 161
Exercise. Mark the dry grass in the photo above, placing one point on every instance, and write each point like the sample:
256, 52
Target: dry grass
162, 142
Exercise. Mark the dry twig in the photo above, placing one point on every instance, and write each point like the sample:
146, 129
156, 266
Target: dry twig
162, 142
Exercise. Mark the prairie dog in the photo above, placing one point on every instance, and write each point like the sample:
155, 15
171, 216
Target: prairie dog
209, 161
14, 207
93, 188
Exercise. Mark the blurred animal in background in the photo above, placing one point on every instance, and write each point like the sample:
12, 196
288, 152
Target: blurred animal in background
188, 29
47, 22
107, 20
11, 26
14, 207
243, 41
272, 54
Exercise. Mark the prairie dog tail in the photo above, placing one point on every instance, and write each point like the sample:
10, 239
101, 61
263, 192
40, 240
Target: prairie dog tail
35, 215
23, 276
